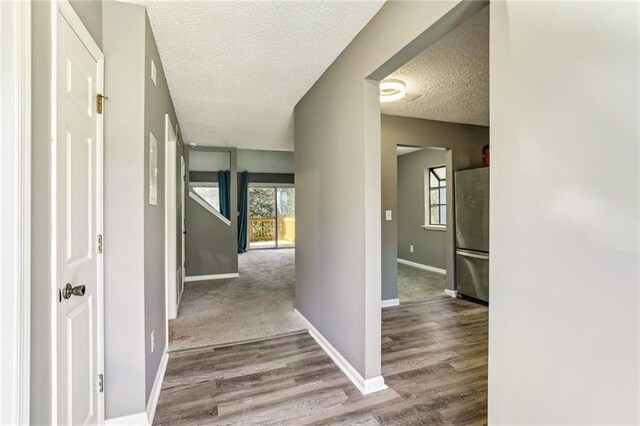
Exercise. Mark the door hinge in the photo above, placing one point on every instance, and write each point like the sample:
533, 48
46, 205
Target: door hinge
99, 99
99, 243
101, 383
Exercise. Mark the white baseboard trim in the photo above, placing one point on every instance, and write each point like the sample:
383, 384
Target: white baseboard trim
211, 277
421, 266
157, 387
365, 386
451, 293
137, 419
390, 302
145, 418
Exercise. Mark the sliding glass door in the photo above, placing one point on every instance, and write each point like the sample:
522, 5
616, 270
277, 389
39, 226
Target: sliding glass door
271, 217
286, 217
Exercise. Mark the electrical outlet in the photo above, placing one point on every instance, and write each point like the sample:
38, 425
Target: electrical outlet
411, 249
388, 214
153, 340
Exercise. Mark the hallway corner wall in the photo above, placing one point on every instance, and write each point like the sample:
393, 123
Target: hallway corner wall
124, 209
157, 104
338, 183
134, 230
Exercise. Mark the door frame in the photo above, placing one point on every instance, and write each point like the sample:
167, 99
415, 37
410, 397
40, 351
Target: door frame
15, 223
170, 207
183, 191
62, 9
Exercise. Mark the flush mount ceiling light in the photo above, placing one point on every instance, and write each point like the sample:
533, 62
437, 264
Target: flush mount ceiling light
392, 90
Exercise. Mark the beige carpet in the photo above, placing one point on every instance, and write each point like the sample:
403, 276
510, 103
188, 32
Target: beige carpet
256, 305
418, 285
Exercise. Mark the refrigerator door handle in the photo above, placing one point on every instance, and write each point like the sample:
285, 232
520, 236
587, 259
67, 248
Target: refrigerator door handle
475, 255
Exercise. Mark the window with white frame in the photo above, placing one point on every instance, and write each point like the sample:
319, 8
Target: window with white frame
435, 213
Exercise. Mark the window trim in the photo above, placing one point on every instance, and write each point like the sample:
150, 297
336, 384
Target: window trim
427, 198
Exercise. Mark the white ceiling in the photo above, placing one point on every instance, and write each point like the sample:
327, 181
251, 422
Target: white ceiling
236, 69
451, 77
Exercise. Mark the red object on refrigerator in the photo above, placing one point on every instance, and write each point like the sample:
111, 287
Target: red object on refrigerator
485, 156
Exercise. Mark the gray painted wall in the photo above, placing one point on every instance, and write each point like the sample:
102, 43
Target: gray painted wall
252, 160
157, 105
212, 245
464, 150
124, 39
338, 179
261, 161
564, 334
41, 135
208, 250
208, 161
429, 245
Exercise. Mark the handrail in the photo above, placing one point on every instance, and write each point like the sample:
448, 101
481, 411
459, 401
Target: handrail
196, 197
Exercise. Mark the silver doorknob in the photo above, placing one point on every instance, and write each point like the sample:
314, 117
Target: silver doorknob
70, 290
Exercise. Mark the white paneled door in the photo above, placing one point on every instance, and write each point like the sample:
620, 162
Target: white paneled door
78, 219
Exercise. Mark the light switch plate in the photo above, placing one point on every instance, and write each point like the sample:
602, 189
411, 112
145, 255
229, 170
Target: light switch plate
411, 249
389, 215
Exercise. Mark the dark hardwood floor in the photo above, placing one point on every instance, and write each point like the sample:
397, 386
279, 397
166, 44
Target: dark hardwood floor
434, 360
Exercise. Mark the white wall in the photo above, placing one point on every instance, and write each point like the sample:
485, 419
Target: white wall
564, 313
124, 38
15, 172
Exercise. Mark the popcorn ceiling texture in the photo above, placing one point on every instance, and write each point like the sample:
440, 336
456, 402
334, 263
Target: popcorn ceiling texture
236, 69
451, 77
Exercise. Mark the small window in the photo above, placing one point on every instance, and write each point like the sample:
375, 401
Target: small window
436, 196
209, 193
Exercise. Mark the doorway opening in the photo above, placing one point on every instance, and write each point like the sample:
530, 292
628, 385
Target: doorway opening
272, 216
235, 291
435, 124
421, 224
434, 105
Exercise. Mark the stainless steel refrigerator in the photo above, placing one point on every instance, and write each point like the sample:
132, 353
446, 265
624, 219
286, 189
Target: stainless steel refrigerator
472, 233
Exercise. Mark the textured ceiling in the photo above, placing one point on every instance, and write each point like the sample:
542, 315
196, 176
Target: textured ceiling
451, 77
236, 69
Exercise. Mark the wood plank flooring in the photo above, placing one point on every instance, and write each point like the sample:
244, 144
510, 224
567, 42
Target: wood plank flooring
434, 360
